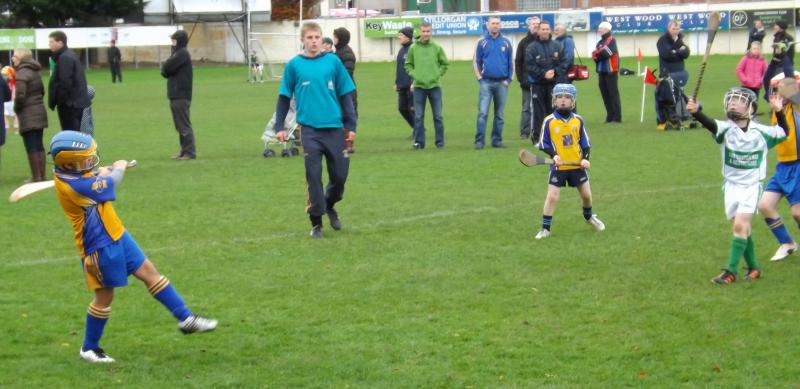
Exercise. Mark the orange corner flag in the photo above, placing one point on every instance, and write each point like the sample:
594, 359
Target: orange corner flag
649, 76
639, 56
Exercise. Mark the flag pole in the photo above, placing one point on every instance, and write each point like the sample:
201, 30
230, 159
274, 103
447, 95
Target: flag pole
644, 86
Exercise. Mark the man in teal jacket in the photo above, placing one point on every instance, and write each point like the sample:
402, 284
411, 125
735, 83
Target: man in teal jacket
426, 63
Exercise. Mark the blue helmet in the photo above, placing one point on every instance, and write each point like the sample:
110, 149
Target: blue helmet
74, 151
565, 89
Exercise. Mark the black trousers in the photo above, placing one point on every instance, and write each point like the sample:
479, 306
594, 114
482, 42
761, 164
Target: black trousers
180, 116
116, 72
610, 92
405, 104
542, 102
327, 143
69, 117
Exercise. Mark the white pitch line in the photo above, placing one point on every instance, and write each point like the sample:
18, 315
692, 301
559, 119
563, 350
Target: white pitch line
369, 226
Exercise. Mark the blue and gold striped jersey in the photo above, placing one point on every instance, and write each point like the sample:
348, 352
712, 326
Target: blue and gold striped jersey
566, 136
788, 149
87, 202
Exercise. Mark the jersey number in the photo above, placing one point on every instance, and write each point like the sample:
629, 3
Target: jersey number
566, 140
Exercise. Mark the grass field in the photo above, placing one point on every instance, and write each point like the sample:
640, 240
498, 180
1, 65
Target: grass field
435, 281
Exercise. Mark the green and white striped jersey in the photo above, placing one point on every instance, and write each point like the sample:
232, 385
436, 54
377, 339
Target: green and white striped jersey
744, 154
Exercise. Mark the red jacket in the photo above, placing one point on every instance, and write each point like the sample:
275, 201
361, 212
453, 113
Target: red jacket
751, 71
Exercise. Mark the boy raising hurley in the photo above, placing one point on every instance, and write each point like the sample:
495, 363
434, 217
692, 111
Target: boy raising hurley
109, 253
744, 145
323, 91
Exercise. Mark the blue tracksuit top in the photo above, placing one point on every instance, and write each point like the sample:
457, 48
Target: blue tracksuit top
493, 57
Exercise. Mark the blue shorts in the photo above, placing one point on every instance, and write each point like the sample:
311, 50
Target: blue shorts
785, 181
110, 266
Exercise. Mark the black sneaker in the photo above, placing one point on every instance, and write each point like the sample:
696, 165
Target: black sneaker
418, 146
333, 216
724, 278
499, 145
440, 145
316, 232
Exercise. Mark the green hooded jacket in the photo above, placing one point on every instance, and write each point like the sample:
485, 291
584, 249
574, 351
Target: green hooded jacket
426, 63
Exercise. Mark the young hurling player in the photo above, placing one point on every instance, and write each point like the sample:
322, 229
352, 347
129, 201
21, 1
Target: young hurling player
784, 182
323, 92
564, 138
109, 253
744, 145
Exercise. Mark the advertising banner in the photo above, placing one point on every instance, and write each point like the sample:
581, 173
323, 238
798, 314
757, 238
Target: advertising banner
388, 27
21, 38
741, 20
456, 24
638, 23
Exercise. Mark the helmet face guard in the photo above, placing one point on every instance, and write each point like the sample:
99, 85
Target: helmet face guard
74, 151
739, 97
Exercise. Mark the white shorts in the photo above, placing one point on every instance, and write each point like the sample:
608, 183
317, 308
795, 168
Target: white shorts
741, 199
8, 107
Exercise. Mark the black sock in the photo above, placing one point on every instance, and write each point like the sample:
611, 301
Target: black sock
587, 213
315, 220
546, 222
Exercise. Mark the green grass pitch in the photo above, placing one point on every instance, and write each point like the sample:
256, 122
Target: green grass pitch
435, 281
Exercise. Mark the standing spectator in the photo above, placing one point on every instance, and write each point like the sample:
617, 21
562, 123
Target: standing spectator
561, 36
426, 63
323, 94
178, 72
494, 69
402, 81
114, 62
5, 95
545, 66
606, 56
751, 68
782, 55
341, 40
525, 122
67, 90
87, 119
672, 53
757, 33
327, 45
8, 74
29, 106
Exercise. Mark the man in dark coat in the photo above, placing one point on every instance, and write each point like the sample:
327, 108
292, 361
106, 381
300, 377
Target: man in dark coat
782, 55
114, 60
178, 72
67, 91
519, 68
757, 33
545, 66
606, 58
341, 40
402, 81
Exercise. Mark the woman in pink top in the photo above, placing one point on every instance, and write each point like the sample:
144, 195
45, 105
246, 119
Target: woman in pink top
751, 68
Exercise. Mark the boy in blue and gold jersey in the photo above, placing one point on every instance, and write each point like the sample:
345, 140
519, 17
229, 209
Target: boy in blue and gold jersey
564, 138
109, 253
786, 180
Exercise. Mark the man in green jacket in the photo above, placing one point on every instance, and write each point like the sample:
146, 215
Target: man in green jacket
426, 64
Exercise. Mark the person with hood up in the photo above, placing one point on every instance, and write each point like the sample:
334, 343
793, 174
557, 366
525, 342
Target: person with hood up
341, 41
178, 71
29, 106
67, 90
402, 81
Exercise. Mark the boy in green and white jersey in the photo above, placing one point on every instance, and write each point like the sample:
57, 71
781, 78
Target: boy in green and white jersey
744, 145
